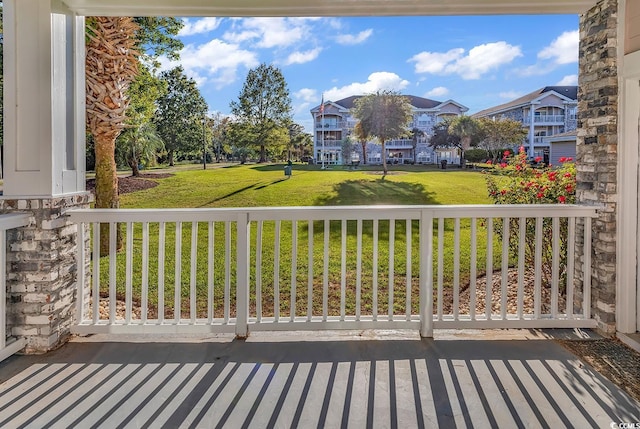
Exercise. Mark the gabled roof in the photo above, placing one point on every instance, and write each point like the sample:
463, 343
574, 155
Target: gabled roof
417, 102
570, 93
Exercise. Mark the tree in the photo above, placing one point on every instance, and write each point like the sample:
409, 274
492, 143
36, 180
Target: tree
362, 137
415, 134
500, 134
384, 115
140, 145
466, 128
180, 112
219, 130
263, 105
347, 150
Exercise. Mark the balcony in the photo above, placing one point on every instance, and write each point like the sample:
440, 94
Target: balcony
319, 126
545, 120
399, 144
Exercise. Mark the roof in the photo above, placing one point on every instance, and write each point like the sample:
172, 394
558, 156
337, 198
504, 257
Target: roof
417, 102
570, 92
568, 136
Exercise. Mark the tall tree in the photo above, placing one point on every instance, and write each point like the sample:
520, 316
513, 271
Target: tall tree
362, 137
219, 131
180, 113
384, 115
415, 135
500, 134
466, 128
138, 145
263, 105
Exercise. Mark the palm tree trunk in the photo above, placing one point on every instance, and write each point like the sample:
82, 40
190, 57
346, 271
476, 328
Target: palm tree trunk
364, 152
106, 187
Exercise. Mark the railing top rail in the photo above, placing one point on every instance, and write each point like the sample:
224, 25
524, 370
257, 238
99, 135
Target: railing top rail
331, 212
13, 220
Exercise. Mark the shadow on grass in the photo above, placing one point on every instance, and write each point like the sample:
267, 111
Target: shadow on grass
230, 194
367, 192
280, 167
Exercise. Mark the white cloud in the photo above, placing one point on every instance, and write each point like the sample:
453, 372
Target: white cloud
510, 95
563, 50
439, 91
199, 26
268, 32
479, 60
307, 94
214, 61
435, 62
302, 57
354, 39
569, 80
376, 81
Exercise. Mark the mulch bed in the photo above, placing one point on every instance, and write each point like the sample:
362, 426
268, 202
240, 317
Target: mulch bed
133, 184
611, 358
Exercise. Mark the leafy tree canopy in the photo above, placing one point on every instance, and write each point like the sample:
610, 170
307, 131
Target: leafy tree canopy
263, 105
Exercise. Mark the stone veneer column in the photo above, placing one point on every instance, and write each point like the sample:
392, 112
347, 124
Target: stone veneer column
596, 151
41, 270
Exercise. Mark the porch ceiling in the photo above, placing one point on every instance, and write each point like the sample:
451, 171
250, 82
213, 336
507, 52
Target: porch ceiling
323, 7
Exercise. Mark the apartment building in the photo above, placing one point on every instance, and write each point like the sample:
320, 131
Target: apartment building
546, 112
334, 123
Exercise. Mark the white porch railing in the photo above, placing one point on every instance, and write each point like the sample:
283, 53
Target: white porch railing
307, 268
8, 344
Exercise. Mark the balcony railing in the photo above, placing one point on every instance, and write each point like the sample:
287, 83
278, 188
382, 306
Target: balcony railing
399, 144
8, 343
545, 119
308, 268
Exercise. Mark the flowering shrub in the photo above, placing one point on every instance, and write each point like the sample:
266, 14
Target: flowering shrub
516, 181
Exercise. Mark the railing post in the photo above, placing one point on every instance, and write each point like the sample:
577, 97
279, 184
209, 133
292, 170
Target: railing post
242, 275
426, 273
80, 261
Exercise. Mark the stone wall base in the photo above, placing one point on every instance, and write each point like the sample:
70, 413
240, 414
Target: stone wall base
41, 270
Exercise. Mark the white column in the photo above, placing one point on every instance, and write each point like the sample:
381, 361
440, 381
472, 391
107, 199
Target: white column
532, 132
44, 108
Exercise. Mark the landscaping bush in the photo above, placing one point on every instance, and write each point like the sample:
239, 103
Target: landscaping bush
515, 181
476, 155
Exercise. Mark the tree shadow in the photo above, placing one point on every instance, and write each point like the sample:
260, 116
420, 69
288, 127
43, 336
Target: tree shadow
280, 167
230, 194
371, 192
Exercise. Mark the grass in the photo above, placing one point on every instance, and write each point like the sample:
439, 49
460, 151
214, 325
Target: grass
265, 185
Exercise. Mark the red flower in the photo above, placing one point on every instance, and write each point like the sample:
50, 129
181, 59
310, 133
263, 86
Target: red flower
506, 153
569, 159
568, 175
503, 165
563, 159
489, 162
538, 158
552, 176
504, 191
540, 194
562, 199
569, 189
518, 167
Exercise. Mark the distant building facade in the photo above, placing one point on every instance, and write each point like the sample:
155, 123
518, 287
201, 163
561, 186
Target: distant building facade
544, 113
334, 124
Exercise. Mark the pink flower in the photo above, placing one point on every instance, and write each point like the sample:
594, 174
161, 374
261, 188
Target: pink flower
518, 167
521, 149
569, 159
538, 158
506, 153
503, 165
563, 159
562, 199
489, 162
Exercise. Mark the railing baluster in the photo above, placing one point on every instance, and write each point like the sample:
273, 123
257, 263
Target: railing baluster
276, 273
440, 265
210, 272
227, 271
325, 272
473, 275
586, 267
409, 237
3, 289
426, 274
294, 267
343, 269
521, 247
243, 239
194, 269
129, 273
376, 228
177, 285
113, 234
489, 276
456, 269
504, 284
537, 263
555, 267
161, 262
144, 300
95, 294
359, 269
310, 269
392, 258
259, 271
82, 273
571, 254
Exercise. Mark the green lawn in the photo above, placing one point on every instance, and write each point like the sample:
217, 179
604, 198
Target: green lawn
266, 185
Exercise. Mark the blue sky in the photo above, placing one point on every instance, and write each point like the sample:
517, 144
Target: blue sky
476, 61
